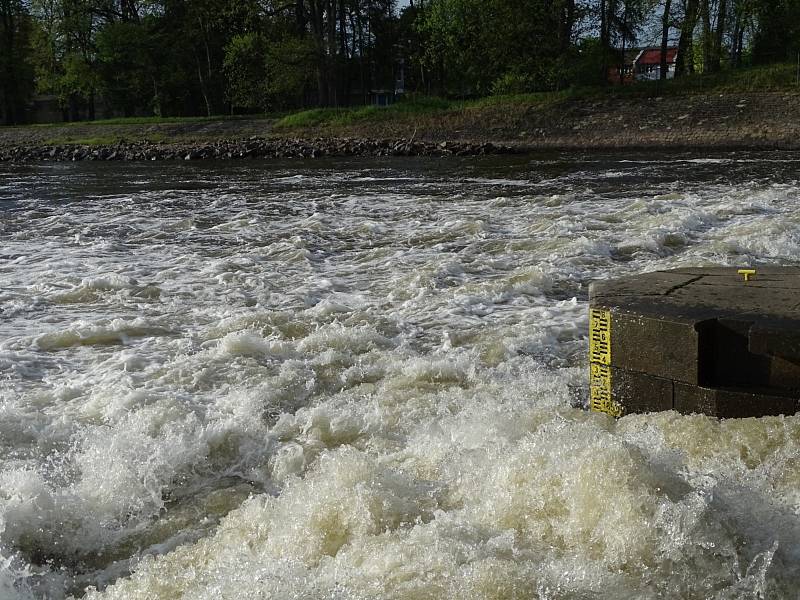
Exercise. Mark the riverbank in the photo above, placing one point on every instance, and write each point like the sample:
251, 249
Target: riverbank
568, 121
251, 148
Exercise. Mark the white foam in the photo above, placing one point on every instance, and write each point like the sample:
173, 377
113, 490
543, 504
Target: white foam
369, 387
88, 333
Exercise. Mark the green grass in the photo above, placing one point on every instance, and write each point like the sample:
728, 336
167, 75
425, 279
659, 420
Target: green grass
768, 78
326, 117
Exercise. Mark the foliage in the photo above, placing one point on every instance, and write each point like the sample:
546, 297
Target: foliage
777, 35
16, 70
245, 70
289, 72
477, 46
129, 55
206, 57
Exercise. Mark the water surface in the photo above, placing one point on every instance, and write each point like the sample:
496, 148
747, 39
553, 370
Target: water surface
353, 379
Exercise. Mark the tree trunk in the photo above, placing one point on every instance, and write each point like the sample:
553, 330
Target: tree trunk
74, 115
333, 67
665, 23
604, 37
739, 43
344, 79
567, 24
720, 32
318, 33
708, 42
361, 72
734, 42
202, 82
685, 60
9, 80
156, 99
622, 58
300, 17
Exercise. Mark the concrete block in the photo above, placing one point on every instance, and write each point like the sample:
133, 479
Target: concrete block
666, 346
697, 340
639, 392
731, 403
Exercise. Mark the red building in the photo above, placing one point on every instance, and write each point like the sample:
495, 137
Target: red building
642, 64
647, 65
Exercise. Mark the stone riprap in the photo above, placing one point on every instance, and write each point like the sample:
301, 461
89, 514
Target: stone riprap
697, 341
250, 148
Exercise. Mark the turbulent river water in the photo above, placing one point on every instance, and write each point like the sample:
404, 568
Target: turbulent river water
356, 379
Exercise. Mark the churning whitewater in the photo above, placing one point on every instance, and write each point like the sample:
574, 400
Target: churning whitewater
362, 379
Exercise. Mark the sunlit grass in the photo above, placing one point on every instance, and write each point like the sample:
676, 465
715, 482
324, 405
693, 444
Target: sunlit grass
406, 108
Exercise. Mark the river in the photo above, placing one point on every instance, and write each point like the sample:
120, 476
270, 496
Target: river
361, 379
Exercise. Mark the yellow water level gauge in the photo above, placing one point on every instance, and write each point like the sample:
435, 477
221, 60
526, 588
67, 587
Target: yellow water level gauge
600, 391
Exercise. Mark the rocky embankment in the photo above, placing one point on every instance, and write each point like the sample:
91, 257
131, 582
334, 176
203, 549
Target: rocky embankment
704, 121
250, 148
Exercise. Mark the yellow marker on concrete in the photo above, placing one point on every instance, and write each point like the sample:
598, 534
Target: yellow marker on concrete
746, 273
600, 396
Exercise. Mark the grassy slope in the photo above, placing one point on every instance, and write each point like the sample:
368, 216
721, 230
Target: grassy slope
486, 118
771, 78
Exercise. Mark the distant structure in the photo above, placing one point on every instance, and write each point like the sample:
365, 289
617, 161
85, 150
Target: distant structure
647, 66
382, 98
642, 64
622, 74
388, 96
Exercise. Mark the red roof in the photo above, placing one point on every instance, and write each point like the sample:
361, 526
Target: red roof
652, 56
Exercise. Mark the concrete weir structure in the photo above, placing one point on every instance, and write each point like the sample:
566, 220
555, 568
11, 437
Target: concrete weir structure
720, 341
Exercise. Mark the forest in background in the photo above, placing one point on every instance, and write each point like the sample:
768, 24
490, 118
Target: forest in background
211, 57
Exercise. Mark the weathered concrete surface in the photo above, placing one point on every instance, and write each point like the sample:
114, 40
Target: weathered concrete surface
704, 340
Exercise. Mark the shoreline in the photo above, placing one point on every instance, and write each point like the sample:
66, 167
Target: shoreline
722, 121
253, 148
266, 148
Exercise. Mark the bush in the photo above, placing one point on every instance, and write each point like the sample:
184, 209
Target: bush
512, 84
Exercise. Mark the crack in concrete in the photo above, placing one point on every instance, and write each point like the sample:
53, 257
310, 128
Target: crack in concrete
682, 285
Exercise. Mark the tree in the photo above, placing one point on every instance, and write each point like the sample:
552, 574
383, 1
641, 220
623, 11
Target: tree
777, 36
713, 13
665, 27
743, 19
16, 72
129, 58
189, 57
685, 63
620, 24
289, 72
245, 70
479, 46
